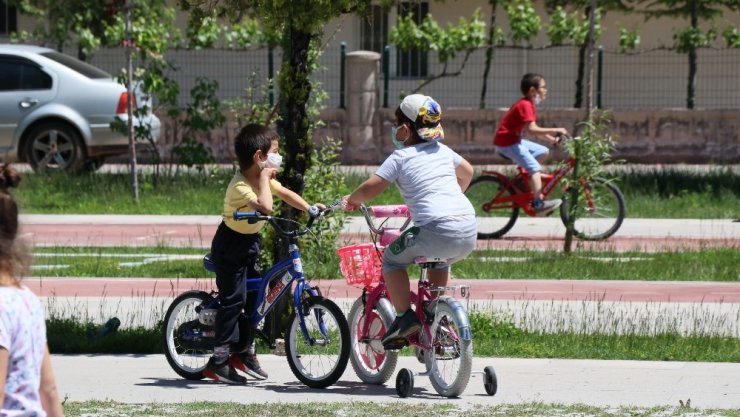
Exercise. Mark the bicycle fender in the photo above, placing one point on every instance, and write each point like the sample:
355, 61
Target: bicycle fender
460, 314
385, 308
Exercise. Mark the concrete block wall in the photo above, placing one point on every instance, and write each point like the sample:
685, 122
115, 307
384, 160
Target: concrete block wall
643, 136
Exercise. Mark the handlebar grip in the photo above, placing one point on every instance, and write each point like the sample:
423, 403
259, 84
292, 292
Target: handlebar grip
241, 215
399, 210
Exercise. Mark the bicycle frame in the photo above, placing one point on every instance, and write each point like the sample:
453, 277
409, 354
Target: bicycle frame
371, 294
284, 273
522, 198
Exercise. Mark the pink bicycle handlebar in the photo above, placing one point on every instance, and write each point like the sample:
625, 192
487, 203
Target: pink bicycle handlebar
399, 210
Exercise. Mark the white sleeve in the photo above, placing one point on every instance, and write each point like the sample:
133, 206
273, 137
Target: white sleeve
456, 158
4, 327
390, 168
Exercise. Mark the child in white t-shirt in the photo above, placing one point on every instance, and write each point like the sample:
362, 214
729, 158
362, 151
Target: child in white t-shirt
431, 178
26, 374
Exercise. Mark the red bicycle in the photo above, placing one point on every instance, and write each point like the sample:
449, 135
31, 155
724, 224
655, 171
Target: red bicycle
498, 198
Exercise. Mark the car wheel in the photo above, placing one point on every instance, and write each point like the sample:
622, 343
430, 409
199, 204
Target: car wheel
54, 146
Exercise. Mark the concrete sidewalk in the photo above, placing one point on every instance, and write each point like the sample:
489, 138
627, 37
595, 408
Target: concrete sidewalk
148, 378
532, 233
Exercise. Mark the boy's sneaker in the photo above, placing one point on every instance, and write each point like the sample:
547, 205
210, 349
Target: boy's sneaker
223, 373
247, 362
545, 207
402, 327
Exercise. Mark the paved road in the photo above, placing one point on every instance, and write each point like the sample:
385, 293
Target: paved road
145, 378
148, 378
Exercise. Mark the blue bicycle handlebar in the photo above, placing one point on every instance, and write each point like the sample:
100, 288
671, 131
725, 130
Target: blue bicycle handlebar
254, 216
241, 215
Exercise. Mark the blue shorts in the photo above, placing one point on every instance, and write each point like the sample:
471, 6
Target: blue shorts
428, 242
525, 154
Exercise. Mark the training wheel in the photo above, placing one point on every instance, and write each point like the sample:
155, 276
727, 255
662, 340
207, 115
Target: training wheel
490, 383
404, 383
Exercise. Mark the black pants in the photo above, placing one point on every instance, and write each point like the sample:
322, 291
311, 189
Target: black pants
236, 257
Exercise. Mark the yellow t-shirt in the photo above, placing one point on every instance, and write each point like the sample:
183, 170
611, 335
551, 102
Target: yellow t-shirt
238, 195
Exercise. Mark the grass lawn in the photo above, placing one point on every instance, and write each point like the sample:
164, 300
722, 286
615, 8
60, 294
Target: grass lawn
711, 264
666, 193
366, 409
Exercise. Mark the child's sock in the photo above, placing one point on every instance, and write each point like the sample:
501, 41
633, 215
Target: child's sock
221, 354
537, 202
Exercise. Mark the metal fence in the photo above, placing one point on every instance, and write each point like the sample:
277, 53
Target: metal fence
652, 79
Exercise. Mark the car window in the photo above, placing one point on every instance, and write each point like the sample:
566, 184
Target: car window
19, 74
76, 65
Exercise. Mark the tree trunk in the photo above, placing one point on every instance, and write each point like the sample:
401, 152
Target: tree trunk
295, 89
293, 127
81, 54
691, 87
489, 54
581, 73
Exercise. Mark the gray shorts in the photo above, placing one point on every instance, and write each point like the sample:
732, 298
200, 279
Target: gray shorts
428, 242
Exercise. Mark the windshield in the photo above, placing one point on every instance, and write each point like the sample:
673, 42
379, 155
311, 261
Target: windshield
76, 65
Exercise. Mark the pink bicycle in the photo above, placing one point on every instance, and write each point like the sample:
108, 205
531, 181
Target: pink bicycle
444, 342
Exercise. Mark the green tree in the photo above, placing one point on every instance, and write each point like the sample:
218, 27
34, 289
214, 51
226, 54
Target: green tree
495, 37
524, 23
58, 22
300, 25
689, 39
466, 37
573, 26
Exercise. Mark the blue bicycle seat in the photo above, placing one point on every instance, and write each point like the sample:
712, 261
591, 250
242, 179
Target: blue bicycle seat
208, 263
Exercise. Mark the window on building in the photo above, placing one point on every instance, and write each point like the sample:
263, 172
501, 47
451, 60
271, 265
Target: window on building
412, 62
8, 18
374, 30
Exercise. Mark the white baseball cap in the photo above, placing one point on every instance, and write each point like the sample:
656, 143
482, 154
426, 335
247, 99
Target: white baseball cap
417, 106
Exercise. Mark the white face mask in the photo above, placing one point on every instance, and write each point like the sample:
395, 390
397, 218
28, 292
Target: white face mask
537, 99
273, 161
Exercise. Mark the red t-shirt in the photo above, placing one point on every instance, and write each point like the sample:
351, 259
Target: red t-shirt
510, 129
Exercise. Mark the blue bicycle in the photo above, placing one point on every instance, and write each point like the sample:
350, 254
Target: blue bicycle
317, 343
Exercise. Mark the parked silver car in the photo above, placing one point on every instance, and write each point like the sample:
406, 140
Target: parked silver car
56, 111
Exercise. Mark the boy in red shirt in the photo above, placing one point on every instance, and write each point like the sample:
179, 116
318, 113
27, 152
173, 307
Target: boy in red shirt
521, 121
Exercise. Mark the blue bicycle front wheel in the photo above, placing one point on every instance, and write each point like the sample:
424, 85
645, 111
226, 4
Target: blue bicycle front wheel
318, 356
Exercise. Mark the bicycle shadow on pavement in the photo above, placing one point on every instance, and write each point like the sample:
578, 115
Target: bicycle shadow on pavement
352, 388
176, 383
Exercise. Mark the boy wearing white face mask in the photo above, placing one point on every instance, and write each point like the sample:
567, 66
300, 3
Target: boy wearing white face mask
431, 178
235, 249
521, 121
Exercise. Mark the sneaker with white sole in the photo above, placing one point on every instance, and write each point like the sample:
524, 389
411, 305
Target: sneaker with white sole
223, 372
403, 326
545, 207
248, 363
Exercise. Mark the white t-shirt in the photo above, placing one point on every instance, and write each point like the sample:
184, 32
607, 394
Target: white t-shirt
23, 334
425, 176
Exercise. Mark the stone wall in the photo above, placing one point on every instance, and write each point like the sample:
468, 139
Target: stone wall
643, 136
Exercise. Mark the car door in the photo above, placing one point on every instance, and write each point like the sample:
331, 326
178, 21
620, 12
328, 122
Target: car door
24, 87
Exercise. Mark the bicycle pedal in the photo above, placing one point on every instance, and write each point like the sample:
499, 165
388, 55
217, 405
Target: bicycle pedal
395, 344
